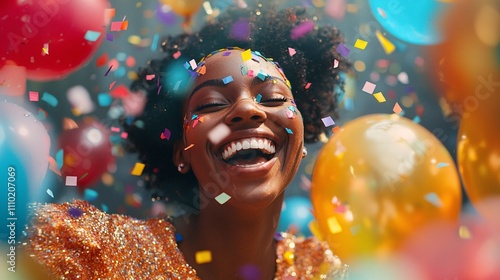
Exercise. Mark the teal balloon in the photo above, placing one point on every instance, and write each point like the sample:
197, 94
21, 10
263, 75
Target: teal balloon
24, 154
296, 212
411, 21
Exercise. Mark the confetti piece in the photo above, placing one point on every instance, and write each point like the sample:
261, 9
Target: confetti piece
109, 14
218, 133
442, 164
115, 129
138, 169
397, 109
246, 55
178, 237
104, 99
292, 51
90, 195
403, 78
109, 69
34, 96
379, 96
71, 181
203, 257
75, 212
208, 8
262, 75
45, 49
166, 133
328, 121
124, 135
258, 98
360, 44
301, 30
49, 192
369, 87
154, 43
150, 77
50, 99
289, 257
343, 50
104, 208
416, 119
92, 36
433, 199
80, 100
464, 232
386, 44
222, 198
193, 64
289, 114
288, 130
176, 55
308, 85
333, 225
227, 80
188, 147
335, 63
116, 26
110, 37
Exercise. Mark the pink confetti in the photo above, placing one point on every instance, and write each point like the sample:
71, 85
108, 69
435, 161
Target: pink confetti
124, 135
369, 87
115, 129
301, 30
177, 54
335, 63
150, 77
308, 86
291, 51
34, 96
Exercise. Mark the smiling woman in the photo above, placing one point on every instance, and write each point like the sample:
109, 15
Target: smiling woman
237, 127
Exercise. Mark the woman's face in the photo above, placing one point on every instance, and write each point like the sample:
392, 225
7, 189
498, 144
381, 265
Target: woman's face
243, 134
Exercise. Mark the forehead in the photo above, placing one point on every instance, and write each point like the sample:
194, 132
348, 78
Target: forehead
238, 62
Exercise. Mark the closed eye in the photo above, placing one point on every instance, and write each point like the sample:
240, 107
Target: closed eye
208, 105
274, 100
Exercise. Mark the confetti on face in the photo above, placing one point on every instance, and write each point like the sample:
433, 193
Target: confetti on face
291, 51
222, 198
203, 257
218, 133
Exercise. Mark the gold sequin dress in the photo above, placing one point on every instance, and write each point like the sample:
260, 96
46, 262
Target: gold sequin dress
78, 241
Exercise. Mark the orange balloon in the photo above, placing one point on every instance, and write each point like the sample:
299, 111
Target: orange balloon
378, 180
469, 55
184, 7
478, 155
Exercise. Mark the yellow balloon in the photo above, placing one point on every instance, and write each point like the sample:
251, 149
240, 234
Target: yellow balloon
378, 180
185, 8
478, 155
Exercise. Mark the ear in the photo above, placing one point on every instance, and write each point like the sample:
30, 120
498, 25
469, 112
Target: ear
179, 157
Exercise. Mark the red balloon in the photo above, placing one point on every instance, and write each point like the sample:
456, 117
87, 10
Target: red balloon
48, 36
87, 153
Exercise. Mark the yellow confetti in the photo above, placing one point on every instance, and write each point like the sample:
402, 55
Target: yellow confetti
138, 168
360, 44
203, 256
289, 257
333, 225
314, 228
388, 46
134, 40
379, 96
246, 55
464, 232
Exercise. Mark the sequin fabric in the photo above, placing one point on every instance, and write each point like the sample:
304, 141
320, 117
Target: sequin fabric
78, 241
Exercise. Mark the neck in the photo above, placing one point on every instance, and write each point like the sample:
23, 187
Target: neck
239, 240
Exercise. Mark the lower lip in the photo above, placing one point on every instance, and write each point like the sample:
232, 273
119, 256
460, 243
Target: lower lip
251, 170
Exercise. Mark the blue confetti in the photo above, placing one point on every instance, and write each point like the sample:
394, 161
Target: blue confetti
154, 44
178, 237
289, 130
434, 199
416, 119
442, 164
50, 99
104, 99
258, 98
90, 195
92, 36
194, 116
227, 80
104, 207
59, 158
262, 75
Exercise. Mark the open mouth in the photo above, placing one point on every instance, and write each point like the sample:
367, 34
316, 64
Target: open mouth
248, 151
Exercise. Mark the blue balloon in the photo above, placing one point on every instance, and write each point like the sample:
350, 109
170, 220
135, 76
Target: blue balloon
411, 21
296, 213
24, 152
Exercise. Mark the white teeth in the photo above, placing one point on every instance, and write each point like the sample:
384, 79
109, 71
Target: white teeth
263, 144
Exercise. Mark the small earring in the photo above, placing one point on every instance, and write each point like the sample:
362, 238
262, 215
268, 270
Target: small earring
304, 152
180, 167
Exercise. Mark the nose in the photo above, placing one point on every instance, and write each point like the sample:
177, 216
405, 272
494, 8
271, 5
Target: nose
245, 111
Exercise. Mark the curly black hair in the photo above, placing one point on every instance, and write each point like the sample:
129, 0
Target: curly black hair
314, 72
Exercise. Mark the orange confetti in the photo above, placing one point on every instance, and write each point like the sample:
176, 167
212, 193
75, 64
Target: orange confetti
397, 109
188, 147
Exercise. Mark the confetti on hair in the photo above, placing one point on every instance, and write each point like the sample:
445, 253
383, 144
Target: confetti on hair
166, 134
308, 85
302, 30
240, 30
218, 133
176, 55
138, 169
291, 51
203, 257
222, 198
343, 50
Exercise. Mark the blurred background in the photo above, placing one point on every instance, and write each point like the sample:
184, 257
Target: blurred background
412, 59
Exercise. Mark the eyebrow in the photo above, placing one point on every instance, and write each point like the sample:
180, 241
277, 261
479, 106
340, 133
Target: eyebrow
220, 83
